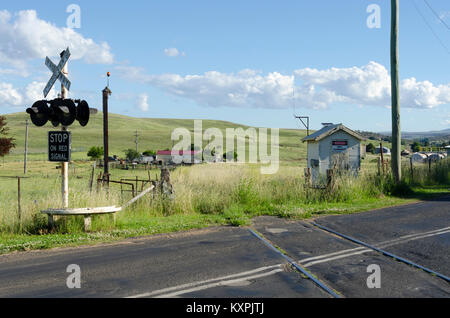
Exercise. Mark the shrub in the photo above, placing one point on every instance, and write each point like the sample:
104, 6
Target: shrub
131, 154
95, 153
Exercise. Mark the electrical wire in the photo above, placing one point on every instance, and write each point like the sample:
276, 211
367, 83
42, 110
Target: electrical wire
431, 29
437, 15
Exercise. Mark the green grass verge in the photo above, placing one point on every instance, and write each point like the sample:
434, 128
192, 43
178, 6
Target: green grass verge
236, 215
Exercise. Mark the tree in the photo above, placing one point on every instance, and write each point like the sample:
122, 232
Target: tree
95, 153
149, 153
415, 147
6, 144
370, 148
131, 154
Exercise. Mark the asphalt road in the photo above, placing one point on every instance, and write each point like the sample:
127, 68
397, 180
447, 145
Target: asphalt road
231, 262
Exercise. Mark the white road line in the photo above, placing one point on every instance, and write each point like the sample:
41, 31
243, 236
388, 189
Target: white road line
330, 254
411, 239
399, 240
221, 283
189, 285
243, 276
366, 250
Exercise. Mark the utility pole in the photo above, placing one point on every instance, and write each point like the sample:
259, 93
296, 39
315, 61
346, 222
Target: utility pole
136, 140
65, 165
396, 130
106, 92
26, 148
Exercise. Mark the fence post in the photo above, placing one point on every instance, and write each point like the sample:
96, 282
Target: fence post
308, 176
379, 166
412, 169
91, 180
330, 179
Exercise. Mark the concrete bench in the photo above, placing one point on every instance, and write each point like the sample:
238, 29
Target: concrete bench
86, 212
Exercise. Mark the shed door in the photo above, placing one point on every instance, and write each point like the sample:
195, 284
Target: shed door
340, 155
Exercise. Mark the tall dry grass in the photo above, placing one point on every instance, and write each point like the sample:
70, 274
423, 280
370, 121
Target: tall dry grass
231, 190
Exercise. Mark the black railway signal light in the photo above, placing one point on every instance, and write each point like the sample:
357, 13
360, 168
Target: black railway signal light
39, 113
60, 111
83, 113
64, 112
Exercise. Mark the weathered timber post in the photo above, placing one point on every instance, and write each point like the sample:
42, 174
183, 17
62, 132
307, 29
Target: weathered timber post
395, 92
308, 176
65, 165
165, 185
26, 148
330, 180
379, 166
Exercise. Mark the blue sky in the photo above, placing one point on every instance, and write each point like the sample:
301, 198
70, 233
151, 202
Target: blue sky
248, 62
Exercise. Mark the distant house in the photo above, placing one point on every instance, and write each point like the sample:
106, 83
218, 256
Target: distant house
181, 156
435, 157
418, 157
147, 159
448, 150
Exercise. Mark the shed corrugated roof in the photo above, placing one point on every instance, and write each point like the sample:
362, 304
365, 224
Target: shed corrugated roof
328, 130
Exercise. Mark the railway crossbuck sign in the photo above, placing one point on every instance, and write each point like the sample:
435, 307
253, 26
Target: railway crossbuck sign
57, 72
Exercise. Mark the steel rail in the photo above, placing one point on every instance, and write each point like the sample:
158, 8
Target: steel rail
401, 259
298, 267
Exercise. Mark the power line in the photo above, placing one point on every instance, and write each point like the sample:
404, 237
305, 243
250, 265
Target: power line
429, 26
437, 15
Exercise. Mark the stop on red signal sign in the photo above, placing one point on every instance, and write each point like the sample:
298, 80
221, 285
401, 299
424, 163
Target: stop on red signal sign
59, 146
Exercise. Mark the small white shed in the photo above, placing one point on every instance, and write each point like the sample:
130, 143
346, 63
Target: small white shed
333, 147
418, 157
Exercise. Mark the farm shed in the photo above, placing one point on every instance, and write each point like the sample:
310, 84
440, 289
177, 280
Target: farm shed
333, 147
418, 157
448, 150
185, 156
146, 159
435, 157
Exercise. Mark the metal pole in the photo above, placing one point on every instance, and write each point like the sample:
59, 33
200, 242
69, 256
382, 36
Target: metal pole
65, 165
307, 128
106, 93
19, 210
396, 132
26, 148
137, 141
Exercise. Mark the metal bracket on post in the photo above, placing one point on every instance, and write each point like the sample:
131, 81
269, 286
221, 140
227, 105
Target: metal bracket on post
307, 122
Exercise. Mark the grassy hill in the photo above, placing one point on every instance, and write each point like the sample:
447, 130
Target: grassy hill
154, 134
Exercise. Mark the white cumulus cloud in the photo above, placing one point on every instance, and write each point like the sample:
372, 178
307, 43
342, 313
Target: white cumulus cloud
34, 92
142, 102
368, 85
9, 96
173, 52
23, 36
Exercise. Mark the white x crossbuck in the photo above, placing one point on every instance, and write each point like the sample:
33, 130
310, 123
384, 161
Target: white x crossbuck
57, 72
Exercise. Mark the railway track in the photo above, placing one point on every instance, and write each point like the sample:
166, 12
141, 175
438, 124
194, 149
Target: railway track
364, 247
